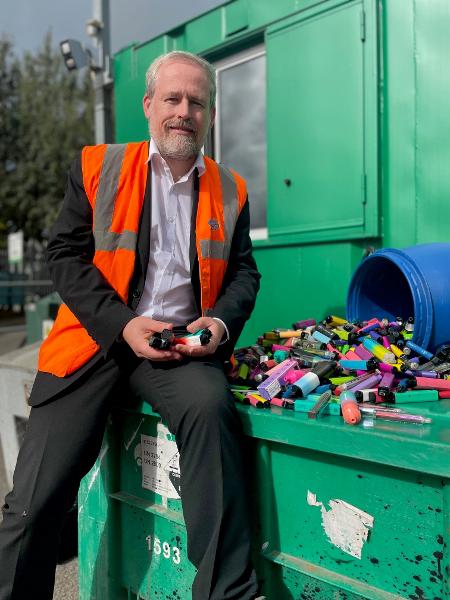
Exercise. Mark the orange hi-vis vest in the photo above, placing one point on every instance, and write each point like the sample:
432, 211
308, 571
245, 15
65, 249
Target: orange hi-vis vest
114, 178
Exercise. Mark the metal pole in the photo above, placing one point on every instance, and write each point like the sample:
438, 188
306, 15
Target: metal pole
103, 80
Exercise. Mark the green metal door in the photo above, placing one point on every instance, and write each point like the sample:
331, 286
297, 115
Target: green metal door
319, 127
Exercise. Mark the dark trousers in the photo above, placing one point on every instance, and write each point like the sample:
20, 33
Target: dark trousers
63, 440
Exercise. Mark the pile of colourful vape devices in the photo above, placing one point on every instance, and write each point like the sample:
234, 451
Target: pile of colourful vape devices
357, 370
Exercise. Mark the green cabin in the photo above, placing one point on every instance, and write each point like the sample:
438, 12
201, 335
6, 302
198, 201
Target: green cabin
337, 114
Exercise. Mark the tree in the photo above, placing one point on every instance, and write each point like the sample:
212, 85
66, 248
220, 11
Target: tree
9, 127
55, 119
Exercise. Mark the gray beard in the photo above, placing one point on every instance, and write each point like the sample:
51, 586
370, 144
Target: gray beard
178, 147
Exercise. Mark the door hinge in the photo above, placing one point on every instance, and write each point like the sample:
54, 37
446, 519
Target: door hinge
363, 25
364, 188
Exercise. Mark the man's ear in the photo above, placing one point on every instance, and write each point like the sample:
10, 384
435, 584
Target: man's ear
212, 117
146, 104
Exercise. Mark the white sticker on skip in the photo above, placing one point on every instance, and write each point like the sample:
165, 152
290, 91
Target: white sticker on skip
160, 463
346, 526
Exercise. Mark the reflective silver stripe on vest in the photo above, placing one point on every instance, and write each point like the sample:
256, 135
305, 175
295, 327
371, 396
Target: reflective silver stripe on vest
110, 240
104, 205
217, 249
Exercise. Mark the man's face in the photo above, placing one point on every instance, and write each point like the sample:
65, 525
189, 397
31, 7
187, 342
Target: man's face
178, 113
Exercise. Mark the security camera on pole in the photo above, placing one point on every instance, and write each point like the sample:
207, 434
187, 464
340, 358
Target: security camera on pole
77, 57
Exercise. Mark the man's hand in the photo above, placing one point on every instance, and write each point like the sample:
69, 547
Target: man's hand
217, 330
137, 332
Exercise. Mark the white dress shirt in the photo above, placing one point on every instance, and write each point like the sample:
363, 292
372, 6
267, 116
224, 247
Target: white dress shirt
168, 294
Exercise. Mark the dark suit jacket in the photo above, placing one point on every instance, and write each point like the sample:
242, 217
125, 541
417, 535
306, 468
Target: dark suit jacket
98, 307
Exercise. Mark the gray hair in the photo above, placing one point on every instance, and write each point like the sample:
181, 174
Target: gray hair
152, 71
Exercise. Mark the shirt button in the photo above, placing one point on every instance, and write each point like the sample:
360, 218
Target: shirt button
136, 293
171, 219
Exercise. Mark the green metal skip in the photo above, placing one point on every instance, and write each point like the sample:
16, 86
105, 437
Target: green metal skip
338, 512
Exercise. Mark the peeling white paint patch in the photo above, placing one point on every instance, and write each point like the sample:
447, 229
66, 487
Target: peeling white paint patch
312, 499
130, 441
346, 526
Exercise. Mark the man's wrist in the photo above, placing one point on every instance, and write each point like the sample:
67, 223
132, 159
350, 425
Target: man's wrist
120, 337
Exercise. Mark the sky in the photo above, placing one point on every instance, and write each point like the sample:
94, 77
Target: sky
27, 21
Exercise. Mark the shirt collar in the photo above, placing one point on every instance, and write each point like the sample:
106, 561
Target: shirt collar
198, 164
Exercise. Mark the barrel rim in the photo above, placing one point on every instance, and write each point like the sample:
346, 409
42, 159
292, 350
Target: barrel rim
423, 311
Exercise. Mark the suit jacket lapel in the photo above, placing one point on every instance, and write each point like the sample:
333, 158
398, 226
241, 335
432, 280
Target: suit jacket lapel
192, 245
143, 242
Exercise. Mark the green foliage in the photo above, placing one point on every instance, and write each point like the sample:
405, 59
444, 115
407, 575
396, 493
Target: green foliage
9, 126
50, 116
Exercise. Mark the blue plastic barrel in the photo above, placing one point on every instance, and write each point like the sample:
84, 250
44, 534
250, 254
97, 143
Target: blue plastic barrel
410, 282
